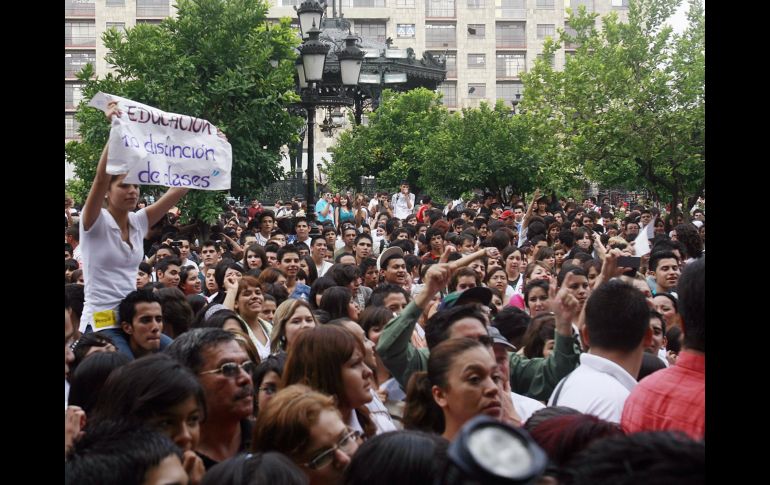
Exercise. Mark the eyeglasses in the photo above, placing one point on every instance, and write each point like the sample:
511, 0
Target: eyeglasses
231, 369
324, 458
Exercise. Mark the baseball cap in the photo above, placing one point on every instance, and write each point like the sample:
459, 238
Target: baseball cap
385, 255
497, 338
506, 214
478, 294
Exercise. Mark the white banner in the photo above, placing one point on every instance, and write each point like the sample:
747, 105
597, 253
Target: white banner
154, 147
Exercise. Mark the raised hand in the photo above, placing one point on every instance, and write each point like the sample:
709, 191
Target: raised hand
564, 305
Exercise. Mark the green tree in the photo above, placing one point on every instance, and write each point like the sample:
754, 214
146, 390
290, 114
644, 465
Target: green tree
482, 148
393, 145
220, 60
629, 108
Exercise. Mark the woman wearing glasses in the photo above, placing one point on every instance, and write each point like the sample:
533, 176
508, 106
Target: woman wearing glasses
463, 380
306, 426
330, 359
159, 391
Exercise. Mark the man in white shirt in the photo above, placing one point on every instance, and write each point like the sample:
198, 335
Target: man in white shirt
617, 330
318, 252
402, 202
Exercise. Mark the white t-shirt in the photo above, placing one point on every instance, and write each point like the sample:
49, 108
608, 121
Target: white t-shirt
110, 265
525, 406
325, 265
400, 207
598, 386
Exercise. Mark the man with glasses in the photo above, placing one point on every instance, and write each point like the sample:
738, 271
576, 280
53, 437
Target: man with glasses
225, 373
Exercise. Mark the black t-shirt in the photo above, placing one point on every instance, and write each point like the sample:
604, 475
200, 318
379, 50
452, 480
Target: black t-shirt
246, 428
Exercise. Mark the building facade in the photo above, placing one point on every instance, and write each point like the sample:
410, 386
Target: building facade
487, 43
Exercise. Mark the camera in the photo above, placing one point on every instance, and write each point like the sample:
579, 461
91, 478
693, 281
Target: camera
176, 244
491, 452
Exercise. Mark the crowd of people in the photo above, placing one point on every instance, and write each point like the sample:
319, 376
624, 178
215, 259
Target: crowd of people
357, 346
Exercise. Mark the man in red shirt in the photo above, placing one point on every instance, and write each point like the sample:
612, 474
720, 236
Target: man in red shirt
427, 204
254, 209
674, 398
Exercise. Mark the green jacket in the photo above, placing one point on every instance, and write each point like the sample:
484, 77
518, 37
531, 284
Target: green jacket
535, 378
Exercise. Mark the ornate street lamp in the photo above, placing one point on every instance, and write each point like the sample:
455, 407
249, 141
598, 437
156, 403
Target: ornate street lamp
309, 13
313, 90
332, 75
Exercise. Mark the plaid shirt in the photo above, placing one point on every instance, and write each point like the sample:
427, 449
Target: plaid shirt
670, 399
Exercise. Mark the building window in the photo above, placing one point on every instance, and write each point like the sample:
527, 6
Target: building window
511, 64
440, 35
371, 29
477, 3
405, 30
290, 3
572, 33
449, 92
551, 59
404, 3
508, 91
70, 126
510, 34
148, 21
440, 8
116, 3
152, 8
575, 4
451, 63
476, 61
119, 26
81, 8
75, 61
511, 9
77, 33
73, 95
476, 91
546, 4
363, 3
477, 31
545, 30
620, 3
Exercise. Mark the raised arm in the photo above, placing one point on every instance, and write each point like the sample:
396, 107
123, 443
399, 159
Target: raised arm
101, 184
528, 215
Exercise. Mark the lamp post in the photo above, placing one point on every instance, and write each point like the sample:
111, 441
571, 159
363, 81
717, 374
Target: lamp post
314, 90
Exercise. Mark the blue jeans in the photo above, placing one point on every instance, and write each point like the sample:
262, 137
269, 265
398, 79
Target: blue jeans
120, 339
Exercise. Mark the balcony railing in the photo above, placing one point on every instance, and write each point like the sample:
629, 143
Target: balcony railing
152, 11
511, 13
363, 3
79, 9
79, 41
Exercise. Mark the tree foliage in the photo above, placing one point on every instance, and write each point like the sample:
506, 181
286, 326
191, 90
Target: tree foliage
629, 108
482, 148
393, 145
412, 136
220, 60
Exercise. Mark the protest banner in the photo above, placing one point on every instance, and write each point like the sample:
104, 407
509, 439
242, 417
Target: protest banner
154, 147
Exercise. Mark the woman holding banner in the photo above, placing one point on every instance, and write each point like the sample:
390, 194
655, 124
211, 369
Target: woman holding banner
112, 239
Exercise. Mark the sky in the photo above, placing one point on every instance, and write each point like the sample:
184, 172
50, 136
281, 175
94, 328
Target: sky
679, 20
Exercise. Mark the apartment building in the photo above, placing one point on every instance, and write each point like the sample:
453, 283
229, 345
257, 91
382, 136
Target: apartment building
487, 43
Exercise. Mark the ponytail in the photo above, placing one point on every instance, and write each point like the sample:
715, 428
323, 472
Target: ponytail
421, 411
